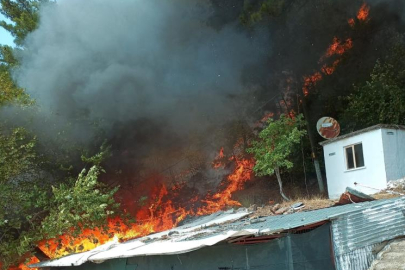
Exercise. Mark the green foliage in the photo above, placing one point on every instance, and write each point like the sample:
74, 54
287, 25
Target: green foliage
9, 92
24, 16
41, 213
35, 206
81, 202
382, 98
7, 56
256, 13
103, 154
275, 144
17, 153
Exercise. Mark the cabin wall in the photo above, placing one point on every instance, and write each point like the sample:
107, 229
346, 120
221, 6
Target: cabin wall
372, 174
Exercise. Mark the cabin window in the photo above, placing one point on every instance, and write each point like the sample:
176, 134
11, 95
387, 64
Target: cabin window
354, 156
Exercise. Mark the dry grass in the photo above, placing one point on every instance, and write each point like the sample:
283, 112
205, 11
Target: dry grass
311, 203
385, 195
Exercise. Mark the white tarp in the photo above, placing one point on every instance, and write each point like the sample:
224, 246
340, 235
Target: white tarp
156, 245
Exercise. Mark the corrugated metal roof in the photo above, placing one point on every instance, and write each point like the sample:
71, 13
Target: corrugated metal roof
217, 227
286, 222
374, 224
380, 126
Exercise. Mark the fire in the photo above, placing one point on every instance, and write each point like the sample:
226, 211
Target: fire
24, 266
163, 210
310, 81
351, 22
267, 116
218, 161
362, 14
31, 261
242, 173
328, 70
337, 47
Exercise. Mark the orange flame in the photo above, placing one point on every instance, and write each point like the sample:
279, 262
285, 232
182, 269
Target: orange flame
328, 70
362, 14
351, 22
31, 261
267, 116
242, 173
160, 214
310, 81
337, 47
218, 159
24, 266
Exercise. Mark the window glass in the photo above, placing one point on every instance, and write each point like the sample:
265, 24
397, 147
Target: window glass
358, 153
349, 158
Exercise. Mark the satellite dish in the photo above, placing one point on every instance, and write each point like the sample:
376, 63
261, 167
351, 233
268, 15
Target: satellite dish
328, 127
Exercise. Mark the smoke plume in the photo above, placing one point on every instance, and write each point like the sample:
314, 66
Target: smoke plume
115, 62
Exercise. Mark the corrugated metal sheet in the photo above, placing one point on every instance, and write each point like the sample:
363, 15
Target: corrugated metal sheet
286, 222
368, 226
354, 233
354, 226
359, 259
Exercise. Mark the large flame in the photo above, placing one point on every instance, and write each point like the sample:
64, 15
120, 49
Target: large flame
164, 210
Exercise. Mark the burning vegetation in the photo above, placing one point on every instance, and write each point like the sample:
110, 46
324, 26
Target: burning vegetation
180, 101
337, 48
164, 208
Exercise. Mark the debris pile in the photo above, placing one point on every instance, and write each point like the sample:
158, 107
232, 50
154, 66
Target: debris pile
286, 208
396, 185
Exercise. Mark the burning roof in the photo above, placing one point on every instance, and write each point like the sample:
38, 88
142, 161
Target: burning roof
221, 226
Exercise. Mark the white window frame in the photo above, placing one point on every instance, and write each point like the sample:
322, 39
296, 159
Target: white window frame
354, 157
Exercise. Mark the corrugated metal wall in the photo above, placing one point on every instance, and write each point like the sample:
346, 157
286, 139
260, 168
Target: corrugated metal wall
356, 233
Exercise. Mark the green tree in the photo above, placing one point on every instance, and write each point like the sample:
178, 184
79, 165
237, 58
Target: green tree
35, 206
382, 98
275, 144
24, 15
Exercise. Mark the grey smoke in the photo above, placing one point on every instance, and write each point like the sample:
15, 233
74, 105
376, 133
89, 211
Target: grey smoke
118, 61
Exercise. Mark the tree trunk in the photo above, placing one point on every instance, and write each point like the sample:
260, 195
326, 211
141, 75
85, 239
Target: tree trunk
312, 142
280, 184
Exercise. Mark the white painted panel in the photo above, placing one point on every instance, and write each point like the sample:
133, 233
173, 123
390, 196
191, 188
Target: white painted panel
394, 153
372, 174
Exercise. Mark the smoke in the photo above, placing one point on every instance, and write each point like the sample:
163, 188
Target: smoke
150, 73
116, 62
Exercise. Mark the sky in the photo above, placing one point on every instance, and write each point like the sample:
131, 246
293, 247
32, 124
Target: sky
5, 37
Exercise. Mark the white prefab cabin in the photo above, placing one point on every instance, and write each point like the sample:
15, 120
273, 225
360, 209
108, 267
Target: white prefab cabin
370, 157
